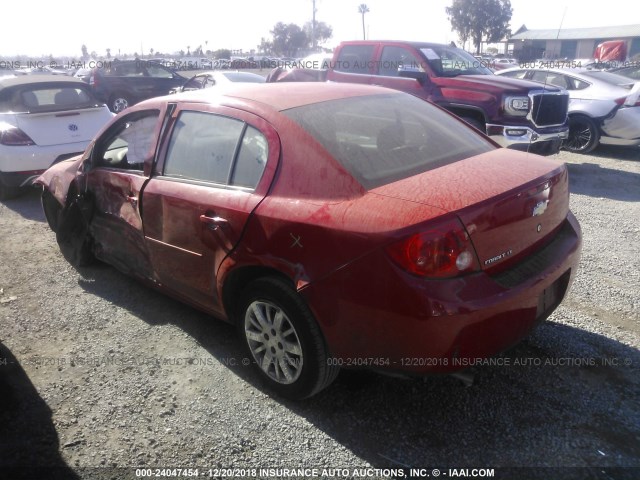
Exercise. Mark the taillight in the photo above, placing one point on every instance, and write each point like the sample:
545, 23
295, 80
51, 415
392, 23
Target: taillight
93, 80
13, 136
443, 251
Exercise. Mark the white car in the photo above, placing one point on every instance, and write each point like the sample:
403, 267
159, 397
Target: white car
212, 79
604, 108
43, 120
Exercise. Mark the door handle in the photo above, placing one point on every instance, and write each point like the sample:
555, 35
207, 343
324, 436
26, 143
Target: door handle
213, 222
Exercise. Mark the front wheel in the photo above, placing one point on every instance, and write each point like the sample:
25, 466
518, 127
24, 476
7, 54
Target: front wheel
72, 235
283, 339
583, 134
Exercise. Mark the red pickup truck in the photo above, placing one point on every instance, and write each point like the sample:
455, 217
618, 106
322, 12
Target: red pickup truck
515, 113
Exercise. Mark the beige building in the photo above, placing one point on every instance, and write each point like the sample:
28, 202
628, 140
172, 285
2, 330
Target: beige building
570, 43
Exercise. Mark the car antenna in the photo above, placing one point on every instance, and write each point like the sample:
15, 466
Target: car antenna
544, 85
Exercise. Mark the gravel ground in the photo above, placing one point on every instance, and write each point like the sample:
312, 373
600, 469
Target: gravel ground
99, 374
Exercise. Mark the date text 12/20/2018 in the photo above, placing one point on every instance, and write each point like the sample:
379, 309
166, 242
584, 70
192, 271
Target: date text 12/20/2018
280, 473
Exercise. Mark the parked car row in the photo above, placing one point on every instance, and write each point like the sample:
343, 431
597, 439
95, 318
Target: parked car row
46, 119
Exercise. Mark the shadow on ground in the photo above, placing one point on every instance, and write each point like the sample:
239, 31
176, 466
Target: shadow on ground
28, 440
595, 181
27, 205
617, 152
564, 391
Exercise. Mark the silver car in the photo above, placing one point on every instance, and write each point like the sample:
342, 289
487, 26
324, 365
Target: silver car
603, 107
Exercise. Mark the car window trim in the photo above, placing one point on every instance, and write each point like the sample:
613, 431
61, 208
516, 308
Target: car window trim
236, 154
203, 183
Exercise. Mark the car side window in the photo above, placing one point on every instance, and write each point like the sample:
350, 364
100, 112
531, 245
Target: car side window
158, 71
202, 147
395, 60
354, 59
516, 74
127, 69
550, 78
578, 84
252, 158
129, 143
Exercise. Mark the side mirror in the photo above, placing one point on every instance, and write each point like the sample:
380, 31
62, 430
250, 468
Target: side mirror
418, 75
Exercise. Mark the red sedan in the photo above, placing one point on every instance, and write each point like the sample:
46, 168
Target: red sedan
336, 225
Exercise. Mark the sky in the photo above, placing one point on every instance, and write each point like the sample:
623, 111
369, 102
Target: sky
61, 27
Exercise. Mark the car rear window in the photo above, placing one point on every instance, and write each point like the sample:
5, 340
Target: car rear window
612, 78
380, 139
47, 99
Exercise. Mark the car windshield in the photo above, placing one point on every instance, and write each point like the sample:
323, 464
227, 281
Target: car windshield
380, 139
451, 62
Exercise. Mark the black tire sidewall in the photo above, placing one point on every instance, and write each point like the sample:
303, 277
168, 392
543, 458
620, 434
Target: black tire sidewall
595, 137
73, 237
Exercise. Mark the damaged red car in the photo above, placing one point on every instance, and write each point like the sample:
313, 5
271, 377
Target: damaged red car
336, 225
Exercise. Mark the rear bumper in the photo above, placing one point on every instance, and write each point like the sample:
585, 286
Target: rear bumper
375, 315
27, 162
19, 179
623, 127
521, 136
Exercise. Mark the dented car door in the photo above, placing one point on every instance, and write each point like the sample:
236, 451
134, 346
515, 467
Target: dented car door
114, 181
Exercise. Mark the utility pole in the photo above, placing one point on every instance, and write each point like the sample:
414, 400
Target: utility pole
313, 27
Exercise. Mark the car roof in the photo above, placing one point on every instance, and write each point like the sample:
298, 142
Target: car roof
280, 96
580, 73
36, 79
417, 45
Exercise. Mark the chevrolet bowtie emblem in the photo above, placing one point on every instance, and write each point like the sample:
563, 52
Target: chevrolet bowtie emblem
540, 208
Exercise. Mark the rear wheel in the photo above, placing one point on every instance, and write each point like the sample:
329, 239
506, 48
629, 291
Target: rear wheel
119, 102
283, 339
583, 134
73, 236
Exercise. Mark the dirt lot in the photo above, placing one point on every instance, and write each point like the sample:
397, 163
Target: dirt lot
99, 374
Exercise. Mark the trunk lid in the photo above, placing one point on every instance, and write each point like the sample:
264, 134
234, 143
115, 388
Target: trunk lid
510, 202
61, 127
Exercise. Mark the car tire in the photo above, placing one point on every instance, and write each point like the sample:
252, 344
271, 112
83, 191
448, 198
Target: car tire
73, 236
583, 134
119, 102
52, 210
275, 323
475, 123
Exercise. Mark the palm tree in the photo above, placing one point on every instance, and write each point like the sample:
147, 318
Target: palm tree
362, 9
